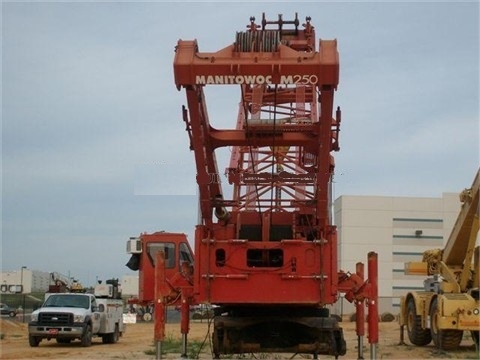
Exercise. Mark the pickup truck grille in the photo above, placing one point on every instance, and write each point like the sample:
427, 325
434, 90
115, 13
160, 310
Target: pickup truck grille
55, 319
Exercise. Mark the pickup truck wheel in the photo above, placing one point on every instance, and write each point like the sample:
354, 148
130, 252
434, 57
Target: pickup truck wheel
111, 338
33, 340
416, 334
12, 314
87, 336
116, 334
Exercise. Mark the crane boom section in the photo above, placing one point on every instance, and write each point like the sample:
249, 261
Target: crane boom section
265, 246
461, 241
283, 80
281, 165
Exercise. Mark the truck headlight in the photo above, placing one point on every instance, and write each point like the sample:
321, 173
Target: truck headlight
34, 317
78, 318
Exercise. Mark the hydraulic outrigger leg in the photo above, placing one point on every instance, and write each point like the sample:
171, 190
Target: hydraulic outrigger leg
363, 292
360, 314
159, 307
373, 303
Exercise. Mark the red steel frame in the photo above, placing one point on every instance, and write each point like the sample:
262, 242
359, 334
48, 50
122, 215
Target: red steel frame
279, 126
281, 168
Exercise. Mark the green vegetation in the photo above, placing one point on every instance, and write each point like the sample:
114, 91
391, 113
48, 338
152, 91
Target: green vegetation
173, 345
149, 352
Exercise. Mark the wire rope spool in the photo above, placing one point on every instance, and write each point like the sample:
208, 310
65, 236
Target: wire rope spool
257, 41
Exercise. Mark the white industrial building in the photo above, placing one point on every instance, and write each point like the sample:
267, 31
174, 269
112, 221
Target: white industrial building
24, 281
399, 230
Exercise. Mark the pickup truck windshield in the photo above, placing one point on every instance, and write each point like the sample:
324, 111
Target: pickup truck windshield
78, 301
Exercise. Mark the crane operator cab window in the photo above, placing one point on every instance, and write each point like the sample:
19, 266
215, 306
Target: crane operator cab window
185, 255
168, 249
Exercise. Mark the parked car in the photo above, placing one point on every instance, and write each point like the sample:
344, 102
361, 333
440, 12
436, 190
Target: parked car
6, 310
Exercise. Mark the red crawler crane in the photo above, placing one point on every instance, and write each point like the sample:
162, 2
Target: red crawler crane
267, 257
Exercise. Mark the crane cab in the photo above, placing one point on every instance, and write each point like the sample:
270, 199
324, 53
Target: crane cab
143, 250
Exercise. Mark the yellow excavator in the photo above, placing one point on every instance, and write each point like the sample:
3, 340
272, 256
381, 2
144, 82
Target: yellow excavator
449, 304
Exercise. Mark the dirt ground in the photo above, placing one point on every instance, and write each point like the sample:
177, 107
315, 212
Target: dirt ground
137, 343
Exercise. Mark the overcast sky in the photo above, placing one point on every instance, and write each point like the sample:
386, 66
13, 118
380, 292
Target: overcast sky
93, 143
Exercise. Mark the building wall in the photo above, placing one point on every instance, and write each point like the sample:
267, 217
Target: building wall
24, 281
399, 229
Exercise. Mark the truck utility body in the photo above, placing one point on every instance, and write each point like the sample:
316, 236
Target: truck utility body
69, 316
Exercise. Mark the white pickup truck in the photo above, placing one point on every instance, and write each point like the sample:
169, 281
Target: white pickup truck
69, 316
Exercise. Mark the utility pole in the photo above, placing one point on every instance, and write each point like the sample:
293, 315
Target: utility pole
23, 292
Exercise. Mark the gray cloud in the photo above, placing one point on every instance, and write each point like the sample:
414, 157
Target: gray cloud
91, 116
